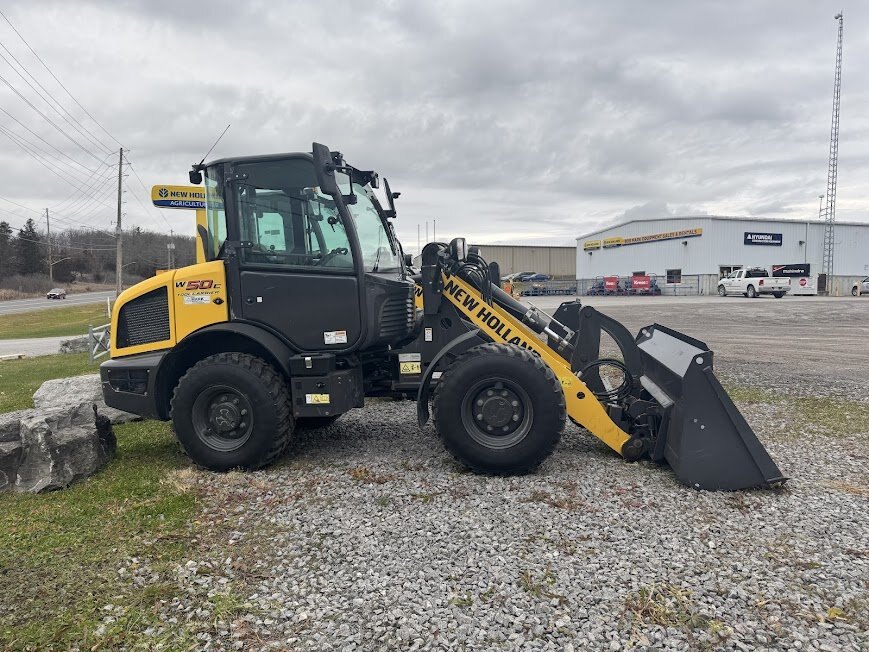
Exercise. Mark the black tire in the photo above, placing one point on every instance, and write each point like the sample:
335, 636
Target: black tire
310, 423
722, 291
854, 292
750, 292
242, 402
778, 295
524, 398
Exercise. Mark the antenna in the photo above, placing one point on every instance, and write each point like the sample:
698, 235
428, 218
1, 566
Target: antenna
196, 172
828, 212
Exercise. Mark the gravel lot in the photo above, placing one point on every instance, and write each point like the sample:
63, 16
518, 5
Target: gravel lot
369, 537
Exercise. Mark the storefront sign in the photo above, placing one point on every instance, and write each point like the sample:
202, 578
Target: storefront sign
619, 241
669, 235
768, 239
611, 283
794, 271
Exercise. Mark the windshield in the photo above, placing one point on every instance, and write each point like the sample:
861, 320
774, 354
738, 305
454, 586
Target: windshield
378, 251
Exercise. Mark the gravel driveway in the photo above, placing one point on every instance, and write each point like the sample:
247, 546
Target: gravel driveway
367, 536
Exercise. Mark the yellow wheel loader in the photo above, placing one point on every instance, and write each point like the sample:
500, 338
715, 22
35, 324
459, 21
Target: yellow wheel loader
304, 306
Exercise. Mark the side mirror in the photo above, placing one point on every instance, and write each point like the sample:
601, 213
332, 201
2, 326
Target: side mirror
459, 250
195, 177
389, 212
325, 169
408, 260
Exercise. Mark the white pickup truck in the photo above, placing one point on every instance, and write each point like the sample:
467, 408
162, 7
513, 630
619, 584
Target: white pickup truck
752, 283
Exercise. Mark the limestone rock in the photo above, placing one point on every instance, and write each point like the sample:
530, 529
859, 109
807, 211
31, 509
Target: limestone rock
68, 392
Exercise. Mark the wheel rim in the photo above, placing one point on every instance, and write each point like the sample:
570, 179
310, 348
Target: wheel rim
222, 418
497, 413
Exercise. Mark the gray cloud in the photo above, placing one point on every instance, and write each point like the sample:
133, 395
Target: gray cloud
532, 121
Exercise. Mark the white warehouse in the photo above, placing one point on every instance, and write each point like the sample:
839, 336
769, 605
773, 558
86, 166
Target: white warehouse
687, 255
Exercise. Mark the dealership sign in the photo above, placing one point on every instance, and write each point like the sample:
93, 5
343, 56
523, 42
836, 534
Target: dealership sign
768, 239
618, 241
796, 270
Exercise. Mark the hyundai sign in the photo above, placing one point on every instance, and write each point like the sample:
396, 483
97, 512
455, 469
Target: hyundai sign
768, 239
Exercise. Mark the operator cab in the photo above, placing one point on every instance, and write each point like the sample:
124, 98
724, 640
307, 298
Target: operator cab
316, 263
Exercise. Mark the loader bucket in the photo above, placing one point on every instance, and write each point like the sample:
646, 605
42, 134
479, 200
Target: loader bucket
703, 436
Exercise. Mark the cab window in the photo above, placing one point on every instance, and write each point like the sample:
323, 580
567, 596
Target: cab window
286, 220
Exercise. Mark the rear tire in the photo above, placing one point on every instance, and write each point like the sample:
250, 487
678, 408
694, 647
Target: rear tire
750, 292
722, 291
778, 295
232, 410
310, 423
499, 409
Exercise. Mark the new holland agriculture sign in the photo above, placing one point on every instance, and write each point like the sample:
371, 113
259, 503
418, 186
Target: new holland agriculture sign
185, 197
618, 241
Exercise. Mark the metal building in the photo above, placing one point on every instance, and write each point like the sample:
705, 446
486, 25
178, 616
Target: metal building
687, 255
557, 262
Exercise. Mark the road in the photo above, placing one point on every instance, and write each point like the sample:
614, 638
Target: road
41, 303
33, 346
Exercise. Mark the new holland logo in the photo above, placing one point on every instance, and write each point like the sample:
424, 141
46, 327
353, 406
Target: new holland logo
163, 192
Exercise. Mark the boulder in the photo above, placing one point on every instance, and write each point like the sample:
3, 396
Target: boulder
76, 345
70, 392
45, 449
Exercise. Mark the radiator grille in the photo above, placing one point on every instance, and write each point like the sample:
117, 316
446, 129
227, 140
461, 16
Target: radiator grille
144, 320
397, 316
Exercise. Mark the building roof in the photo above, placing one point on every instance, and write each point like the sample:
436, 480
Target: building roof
733, 218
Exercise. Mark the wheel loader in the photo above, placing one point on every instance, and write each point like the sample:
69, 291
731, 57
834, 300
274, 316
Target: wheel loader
304, 306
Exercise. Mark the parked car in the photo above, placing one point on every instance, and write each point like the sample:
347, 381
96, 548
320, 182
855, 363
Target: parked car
517, 276
752, 283
864, 288
56, 293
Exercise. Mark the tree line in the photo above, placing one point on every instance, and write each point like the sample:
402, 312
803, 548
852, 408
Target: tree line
81, 254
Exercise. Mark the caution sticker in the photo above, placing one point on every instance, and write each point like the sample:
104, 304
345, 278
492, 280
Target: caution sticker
316, 399
428, 335
335, 337
410, 367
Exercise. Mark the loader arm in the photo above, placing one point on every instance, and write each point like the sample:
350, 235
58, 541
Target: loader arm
501, 326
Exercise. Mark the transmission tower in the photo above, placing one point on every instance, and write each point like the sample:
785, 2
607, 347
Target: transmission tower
828, 212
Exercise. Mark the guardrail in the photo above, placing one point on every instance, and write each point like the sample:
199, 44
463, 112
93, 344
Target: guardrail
99, 341
544, 288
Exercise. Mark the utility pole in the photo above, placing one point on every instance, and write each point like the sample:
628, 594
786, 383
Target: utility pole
418, 244
434, 230
48, 239
170, 249
119, 235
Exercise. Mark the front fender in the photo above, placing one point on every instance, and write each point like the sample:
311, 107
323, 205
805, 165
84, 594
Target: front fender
459, 344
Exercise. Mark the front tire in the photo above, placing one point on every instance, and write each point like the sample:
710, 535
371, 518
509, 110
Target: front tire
499, 409
778, 295
722, 291
750, 292
853, 292
232, 410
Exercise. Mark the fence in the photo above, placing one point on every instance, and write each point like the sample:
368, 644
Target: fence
544, 288
689, 285
99, 339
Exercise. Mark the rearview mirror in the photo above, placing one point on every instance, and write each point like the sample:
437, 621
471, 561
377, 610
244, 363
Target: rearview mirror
390, 196
324, 169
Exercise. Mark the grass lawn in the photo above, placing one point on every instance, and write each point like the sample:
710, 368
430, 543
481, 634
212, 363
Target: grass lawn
73, 320
60, 552
19, 379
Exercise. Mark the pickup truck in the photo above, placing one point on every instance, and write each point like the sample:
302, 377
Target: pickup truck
752, 283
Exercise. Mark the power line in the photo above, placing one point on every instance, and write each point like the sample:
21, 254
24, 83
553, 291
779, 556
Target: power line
44, 65
145, 188
48, 120
21, 143
66, 115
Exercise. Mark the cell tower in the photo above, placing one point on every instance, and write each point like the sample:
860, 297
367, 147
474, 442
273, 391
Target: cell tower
828, 212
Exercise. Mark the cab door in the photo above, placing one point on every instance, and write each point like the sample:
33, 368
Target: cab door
296, 268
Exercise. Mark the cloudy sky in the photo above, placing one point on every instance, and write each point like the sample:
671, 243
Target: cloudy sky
528, 122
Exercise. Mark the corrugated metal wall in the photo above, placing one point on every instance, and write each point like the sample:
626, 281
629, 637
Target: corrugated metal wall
558, 262
722, 243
